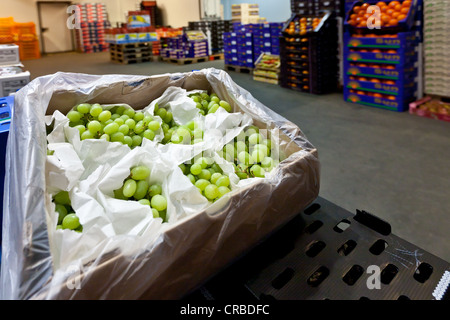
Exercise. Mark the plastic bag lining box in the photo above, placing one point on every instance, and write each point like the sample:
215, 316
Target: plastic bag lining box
186, 253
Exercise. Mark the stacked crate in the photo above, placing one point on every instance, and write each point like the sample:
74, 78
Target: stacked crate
245, 13
261, 40
314, 7
23, 34
309, 61
130, 53
91, 37
436, 48
381, 65
214, 30
276, 29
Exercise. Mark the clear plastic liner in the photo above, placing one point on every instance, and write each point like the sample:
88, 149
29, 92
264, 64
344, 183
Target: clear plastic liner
123, 252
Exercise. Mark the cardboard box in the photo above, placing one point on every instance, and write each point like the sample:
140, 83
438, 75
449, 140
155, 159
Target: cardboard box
9, 54
12, 79
187, 252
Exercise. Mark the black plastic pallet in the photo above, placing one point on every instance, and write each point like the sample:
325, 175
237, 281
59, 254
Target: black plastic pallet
329, 253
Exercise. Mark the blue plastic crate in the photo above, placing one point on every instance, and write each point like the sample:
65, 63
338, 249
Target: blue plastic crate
396, 71
6, 105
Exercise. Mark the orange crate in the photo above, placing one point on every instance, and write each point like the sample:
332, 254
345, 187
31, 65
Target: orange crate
29, 50
7, 38
25, 28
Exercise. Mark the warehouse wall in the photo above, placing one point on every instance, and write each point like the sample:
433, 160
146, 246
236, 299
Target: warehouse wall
272, 10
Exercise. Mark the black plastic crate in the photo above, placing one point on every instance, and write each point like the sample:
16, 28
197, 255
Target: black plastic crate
329, 253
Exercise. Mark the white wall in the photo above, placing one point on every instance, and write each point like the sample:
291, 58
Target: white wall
177, 13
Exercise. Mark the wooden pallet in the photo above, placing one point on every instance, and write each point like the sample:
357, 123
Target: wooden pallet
230, 67
186, 60
131, 60
216, 56
133, 45
130, 55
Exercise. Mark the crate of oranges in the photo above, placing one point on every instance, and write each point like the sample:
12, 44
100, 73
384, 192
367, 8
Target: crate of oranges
382, 15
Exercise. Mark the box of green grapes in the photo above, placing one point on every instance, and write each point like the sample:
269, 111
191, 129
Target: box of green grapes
131, 187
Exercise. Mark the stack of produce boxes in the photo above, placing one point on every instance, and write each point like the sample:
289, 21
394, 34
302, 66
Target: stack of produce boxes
436, 47
230, 48
308, 53
261, 40
244, 39
275, 33
91, 36
381, 65
191, 44
214, 30
245, 13
319, 6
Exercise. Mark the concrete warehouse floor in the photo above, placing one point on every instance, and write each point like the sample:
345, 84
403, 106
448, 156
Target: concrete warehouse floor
394, 165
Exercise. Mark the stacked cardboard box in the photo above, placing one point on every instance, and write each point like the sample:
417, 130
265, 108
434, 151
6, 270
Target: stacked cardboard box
91, 36
436, 47
312, 7
214, 30
245, 13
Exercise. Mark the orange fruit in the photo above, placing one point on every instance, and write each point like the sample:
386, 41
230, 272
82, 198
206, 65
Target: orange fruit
395, 14
378, 95
404, 10
392, 4
389, 12
360, 92
392, 51
365, 6
374, 80
361, 13
391, 97
390, 67
393, 22
383, 9
381, 4
390, 82
356, 9
401, 17
406, 3
376, 50
385, 18
398, 7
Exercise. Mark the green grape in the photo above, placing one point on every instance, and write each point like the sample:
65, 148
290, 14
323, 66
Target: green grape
83, 108
118, 194
137, 140
154, 189
223, 181
205, 96
120, 110
257, 171
182, 167
213, 109
130, 113
111, 128
117, 137
141, 189
105, 137
129, 188
87, 135
211, 191
258, 155
205, 104
215, 98
191, 177
140, 172
162, 113
59, 227
197, 133
223, 190
159, 202
94, 126
216, 168
79, 228
130, 123
144, 202
245, 158
267, 163
115, 116
196, 168
104, 116
128, 141
225, 105
74, 116
215, 176
210, 104
263, 148
154, 125
95, 110
192, 125
204, 162
201, 184
62, 212
124, 117
204, 174
241, 146
242, 175
155, 213
62, 197
175, 138
156, 108
139, 128
124, 129
70, 221
267, 143
149, 134
198, 105
138, 116
255, 138
195, 98
168, 117
119, 121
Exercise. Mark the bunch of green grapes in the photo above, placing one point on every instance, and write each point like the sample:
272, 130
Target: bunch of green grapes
67, 219
189, 133
208, 177
250, 152
136, 188
119, 124
209, 103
